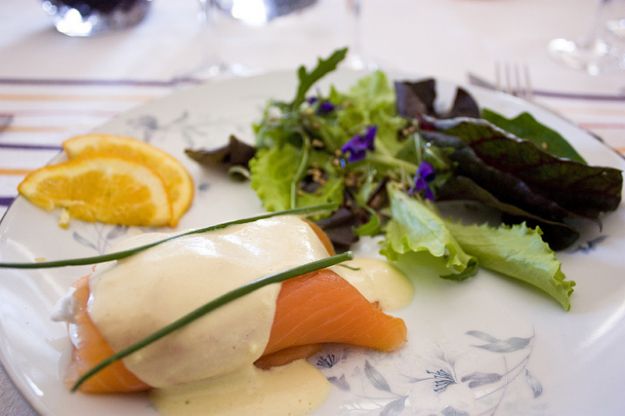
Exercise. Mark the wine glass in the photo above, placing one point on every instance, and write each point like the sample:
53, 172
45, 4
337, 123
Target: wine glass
212, 64
600, 49
228, 25
89, 17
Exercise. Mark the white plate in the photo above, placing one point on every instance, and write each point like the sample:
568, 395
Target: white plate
485, 346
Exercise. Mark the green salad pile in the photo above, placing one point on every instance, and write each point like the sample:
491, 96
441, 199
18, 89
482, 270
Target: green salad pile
391, 161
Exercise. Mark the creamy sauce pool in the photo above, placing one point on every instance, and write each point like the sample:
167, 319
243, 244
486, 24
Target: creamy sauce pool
138, 295
294, 389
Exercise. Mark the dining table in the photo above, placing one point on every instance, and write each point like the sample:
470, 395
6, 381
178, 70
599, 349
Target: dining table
54, 86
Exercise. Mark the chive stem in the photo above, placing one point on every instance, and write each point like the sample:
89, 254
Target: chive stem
127, 253
212, 305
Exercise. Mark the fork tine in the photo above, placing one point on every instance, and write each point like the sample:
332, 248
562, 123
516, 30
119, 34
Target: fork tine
498, 76
509, 80
514, 78
519, 88
528, 83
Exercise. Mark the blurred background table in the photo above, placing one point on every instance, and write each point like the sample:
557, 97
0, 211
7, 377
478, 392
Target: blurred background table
54, 86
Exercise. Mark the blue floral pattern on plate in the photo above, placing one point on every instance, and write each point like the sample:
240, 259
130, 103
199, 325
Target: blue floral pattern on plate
486, 375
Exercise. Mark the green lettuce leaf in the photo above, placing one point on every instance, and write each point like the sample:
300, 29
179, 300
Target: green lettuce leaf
518, 252
370, 101
528, 128
273, 169
416, 228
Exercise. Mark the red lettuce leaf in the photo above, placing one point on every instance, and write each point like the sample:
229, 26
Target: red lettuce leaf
524, 169
235, 153
558, 234
413, 99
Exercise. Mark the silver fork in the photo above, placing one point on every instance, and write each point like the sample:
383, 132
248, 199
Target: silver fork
514, 79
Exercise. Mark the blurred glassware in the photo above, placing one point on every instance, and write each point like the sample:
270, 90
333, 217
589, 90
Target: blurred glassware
89, 17
277, 27
602, 48
260, 12
356, 58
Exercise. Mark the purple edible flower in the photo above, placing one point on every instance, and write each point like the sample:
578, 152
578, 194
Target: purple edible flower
424, 175
325, 107
357, 146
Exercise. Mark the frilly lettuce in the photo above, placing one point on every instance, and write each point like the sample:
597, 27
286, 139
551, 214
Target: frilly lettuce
272, 170
516, 251
519, 252
415, 228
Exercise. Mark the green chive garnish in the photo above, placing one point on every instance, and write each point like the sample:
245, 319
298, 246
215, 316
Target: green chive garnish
127, 253
212, 305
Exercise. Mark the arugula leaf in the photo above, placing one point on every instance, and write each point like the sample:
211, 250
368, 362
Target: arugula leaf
279, 125
415, 228
527, 127
518, 252
272, 172
308, 79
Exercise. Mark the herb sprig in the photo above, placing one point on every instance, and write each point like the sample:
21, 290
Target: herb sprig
308, 79
82, 261
211, 306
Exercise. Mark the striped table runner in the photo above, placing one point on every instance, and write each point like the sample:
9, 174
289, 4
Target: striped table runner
37, 115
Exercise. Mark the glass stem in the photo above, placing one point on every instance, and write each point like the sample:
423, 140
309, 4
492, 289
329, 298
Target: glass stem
356, 58
592, 36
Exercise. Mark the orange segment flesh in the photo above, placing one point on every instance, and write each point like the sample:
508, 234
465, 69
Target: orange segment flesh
90, 348
316, 308
104, 189
175, 177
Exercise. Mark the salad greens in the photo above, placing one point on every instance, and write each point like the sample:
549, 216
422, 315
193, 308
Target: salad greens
389, 157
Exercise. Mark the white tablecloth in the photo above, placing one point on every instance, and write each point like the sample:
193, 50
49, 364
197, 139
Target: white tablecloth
55, 86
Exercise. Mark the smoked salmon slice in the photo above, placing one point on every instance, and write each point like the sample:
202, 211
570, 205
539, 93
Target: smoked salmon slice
319, 307
89, 348
322, 307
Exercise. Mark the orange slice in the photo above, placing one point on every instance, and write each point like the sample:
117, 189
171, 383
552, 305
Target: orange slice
104, 189
177, 180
